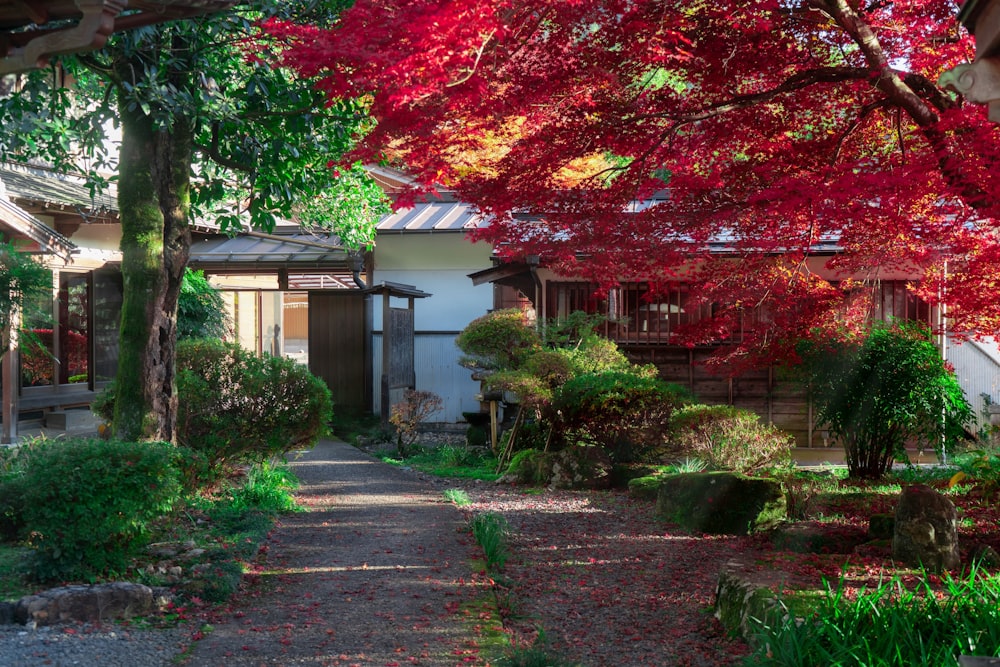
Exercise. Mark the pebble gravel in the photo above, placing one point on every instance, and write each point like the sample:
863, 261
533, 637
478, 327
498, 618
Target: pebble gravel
90, 646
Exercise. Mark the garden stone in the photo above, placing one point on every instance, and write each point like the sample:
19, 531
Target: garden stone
926, 530
92, 604
721, 502
581, 467
881, 526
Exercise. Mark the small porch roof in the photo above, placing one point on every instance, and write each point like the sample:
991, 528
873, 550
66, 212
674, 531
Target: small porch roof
16, 223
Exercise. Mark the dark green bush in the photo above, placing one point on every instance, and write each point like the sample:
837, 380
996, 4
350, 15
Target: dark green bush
236, 407
476, 436
87, 504
201, 312
729, 438
627, 411
884, 390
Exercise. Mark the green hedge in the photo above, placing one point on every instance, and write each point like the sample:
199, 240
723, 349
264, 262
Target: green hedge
87, 504
237, 407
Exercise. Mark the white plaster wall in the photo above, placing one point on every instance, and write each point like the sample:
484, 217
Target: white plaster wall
438, 263
977, 367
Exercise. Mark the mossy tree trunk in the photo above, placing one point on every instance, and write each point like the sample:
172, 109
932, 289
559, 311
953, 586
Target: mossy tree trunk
154, 204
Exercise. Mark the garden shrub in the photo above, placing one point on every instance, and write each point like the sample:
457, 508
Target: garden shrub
235, 407
406, 416
627, 411
88, 503
201, 312
529, 466
882, 391
497, 340
730, 438
476, 436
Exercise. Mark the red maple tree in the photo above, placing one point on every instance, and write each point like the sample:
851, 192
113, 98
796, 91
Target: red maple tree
778, 154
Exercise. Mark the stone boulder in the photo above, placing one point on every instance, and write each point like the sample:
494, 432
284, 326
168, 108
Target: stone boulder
925, 532
575, 467
580, 467
724, 503
93, 604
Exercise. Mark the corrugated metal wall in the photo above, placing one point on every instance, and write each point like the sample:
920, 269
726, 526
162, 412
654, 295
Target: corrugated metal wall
977, 366
437, 370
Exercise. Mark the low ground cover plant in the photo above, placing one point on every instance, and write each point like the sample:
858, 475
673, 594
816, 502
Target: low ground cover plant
892, 623
86, 506
227, 522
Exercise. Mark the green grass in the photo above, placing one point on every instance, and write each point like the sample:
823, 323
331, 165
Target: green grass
457, 496
491, 533
449, 461
928, 624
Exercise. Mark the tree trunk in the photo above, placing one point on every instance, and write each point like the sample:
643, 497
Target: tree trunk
154, 202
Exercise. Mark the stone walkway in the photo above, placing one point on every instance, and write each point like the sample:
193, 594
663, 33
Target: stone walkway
377, 572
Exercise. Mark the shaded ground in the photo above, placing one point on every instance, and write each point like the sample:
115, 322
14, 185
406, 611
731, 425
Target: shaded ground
608, 583
377, 572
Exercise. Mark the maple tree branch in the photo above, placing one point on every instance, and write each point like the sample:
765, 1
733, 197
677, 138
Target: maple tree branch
866, 111
793, 83
475, 65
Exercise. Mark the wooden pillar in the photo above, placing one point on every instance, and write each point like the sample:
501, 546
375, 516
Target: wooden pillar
10, 380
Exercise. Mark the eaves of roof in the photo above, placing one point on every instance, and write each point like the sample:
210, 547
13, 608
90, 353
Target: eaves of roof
18, 223
46, 188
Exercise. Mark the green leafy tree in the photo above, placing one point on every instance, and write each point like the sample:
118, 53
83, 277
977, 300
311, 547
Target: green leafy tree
22, 279
201, 312
207, 128
883, 391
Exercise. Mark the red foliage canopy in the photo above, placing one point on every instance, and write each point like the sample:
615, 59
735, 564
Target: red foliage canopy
752, 133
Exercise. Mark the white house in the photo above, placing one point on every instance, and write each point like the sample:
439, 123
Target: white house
426, 247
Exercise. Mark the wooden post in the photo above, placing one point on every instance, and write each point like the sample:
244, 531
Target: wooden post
11, 381
493, 426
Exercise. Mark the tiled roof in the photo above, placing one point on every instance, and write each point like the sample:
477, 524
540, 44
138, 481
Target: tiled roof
39, 186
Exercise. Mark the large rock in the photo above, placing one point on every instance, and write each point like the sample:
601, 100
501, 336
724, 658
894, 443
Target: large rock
102, 602
926, 530
724, 503
580, 467
575, 467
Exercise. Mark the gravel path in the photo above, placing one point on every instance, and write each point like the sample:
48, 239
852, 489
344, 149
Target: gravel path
377, 572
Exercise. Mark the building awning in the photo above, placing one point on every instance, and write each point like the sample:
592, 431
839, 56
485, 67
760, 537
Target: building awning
16, 223
253, 251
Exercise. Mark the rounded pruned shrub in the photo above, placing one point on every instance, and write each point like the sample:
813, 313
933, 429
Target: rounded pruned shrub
236, 407
627, 411
498, 340
88, 503
730, 438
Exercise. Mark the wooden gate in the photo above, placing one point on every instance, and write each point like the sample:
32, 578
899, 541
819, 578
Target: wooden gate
340, 347
340, 335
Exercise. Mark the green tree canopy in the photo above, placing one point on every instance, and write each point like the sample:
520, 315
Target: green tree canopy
882, 391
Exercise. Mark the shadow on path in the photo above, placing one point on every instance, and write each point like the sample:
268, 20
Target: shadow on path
376, 572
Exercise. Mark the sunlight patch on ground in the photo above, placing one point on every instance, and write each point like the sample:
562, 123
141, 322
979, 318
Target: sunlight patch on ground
342, 568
